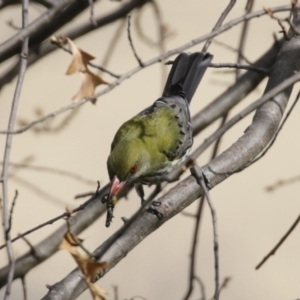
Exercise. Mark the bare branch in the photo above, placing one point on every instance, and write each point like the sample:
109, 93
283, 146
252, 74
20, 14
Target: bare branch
197, 172
11, 212
24, 288
244, 32
192, 275
6, 217
239, 66
219, 23
131, 42
281, 183
273, 251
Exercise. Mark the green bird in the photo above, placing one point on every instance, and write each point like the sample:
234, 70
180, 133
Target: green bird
157, 139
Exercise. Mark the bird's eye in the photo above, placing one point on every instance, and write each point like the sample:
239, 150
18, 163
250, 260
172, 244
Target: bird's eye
133, 169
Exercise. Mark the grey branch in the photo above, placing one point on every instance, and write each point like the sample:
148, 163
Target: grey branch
6, 216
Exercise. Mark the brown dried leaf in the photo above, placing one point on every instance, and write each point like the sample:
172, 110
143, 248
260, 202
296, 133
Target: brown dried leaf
88, 266
80, 59
89, 84
70, 244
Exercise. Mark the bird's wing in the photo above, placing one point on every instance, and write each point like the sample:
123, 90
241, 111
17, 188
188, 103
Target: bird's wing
170, 118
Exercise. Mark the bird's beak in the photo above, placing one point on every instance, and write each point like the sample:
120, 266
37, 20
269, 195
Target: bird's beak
116, 186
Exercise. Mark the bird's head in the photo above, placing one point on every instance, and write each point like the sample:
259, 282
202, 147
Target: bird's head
127, 162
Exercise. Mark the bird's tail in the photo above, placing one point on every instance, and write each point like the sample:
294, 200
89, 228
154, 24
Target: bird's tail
186, 73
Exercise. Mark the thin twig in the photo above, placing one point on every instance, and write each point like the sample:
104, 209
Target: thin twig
24, 288
78, 241
281, 241
219, 23
281, 183
83, 195
287, 37
12, 211
29, 244
240, 67
131, 42
229, 47
89, 63
6, 218
198, 174
162, 37
244, 32
224, 284
192, 273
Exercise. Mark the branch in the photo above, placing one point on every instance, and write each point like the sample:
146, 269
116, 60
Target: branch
281, 241
239, 67
219, 23
131, 42
6, 217
244, 33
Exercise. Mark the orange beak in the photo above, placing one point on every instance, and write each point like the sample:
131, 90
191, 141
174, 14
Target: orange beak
116, 186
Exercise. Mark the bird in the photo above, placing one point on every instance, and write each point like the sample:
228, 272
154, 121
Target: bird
160, 137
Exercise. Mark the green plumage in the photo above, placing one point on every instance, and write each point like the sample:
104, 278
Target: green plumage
149, 140
159, 137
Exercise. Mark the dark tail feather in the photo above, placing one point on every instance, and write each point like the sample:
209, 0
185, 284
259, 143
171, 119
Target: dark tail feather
186, 73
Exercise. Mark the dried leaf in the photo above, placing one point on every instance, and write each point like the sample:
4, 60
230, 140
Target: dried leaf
88, 266
80, 59
89, 84
68, 243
